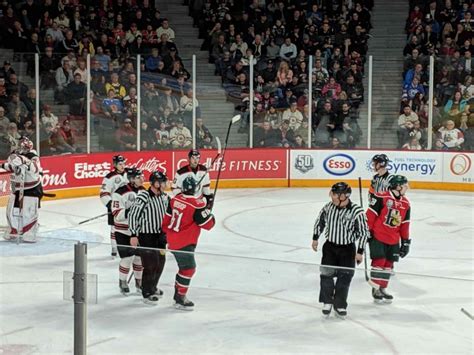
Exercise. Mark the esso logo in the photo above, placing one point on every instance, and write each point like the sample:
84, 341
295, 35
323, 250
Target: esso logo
339, 164
460, 164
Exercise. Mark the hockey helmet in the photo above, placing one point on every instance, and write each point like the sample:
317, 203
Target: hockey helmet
133, 173
194, 153
396, 181
341, 188
118, 159
381, 159
25, 145
189, 186
158, 176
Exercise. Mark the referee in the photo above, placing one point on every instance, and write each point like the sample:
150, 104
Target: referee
145, 218
342, 222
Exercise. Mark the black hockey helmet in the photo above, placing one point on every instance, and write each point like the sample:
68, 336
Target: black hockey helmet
382, 159
158, 176
397, 180
341, 188
189, 186
133, 173
118, 159
194, 153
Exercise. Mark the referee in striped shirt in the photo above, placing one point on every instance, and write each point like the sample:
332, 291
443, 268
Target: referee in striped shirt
342, 222
145, 218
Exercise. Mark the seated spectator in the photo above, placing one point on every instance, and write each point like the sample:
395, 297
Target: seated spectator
48, 66
75, 96
286, 135
16, 86
147, 137
102, 58
467, 128
266, 136
166, 29
299, 142
449, 137
412, 144
3, 92
52, 142
13, 136
153, 61
17, 111
68, 136
288, 50
4, 120
126, 136
47, 117
130, 103
413, 94
63, 77
293, 116
331, 90
203, 135
467, 88
165, 46
455, 107
168, 101
81, 70
180, 136
119, 90
355, 91
322, 132
112, 107
6, 70
163, 144
186, 108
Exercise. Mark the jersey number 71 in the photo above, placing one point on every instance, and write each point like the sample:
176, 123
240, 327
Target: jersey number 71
175, 223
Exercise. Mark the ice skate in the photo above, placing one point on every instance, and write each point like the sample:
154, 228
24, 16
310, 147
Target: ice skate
151, 300
377, 295
124, 290
182, 303
387, 298
341, 313
327, 308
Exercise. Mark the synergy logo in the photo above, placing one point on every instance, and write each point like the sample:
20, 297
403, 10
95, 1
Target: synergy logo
339, 164
460, 164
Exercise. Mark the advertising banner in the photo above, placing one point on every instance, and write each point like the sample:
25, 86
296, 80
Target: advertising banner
60, 172
348, 164
458, 167
242, 163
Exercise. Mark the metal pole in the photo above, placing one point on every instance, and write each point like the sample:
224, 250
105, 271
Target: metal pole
369, 106
251, 97
430, 107
139, 102
88, 103
37, 103
80, 298
310, 99
194, 101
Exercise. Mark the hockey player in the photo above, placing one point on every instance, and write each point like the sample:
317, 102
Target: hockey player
22, 209
381, 180
185, 217
389, 222
199, 173
112, 181
122, 201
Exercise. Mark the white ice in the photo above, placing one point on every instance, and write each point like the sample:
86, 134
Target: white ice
246, 304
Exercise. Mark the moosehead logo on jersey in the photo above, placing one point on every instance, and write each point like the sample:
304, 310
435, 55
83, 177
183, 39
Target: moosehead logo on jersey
339, 164
304, 163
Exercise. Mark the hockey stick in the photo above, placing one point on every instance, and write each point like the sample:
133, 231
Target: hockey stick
93, 218
234, 119
45, 194
365, 253
219, 151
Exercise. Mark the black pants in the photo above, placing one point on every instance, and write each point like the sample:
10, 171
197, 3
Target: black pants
153, 261
123, 245
336, 255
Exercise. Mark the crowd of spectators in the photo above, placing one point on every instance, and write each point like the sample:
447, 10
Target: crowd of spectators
280, 36
113, 32
444, 30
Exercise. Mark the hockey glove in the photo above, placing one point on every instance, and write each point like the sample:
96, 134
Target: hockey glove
109, 206
405, 248
210, 201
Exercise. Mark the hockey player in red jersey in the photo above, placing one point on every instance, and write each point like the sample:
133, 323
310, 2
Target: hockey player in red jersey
389, 222
185, 217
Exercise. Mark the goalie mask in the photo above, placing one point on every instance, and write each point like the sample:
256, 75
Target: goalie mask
26, 145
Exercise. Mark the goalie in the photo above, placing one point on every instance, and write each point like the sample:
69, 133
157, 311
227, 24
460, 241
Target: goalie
22, 208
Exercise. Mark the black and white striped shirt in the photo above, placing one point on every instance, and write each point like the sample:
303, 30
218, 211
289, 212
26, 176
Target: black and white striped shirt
342, 226
147, 212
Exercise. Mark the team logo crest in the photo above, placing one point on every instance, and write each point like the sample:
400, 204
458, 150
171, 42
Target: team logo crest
118, 180
131, 197
389, 204
304, 163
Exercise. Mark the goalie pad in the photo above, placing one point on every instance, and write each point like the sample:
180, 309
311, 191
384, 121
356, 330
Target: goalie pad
22, 222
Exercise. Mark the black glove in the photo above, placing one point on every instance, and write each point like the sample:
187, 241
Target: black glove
405, 248
109, 206
127, 210
162, 239
210, 200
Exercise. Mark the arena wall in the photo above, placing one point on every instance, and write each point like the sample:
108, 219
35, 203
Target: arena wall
71, 176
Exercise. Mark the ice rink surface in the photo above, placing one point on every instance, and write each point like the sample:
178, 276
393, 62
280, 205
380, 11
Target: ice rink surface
256, 287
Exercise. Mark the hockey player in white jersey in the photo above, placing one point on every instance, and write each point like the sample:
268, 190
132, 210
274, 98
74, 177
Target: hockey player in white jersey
112, 181
23, 205
199, 173
122, 201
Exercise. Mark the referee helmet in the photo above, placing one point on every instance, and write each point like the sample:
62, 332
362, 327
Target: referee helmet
341, 188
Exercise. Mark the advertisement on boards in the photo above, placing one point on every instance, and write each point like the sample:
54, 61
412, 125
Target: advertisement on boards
242, 164
458, 167
62, 172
